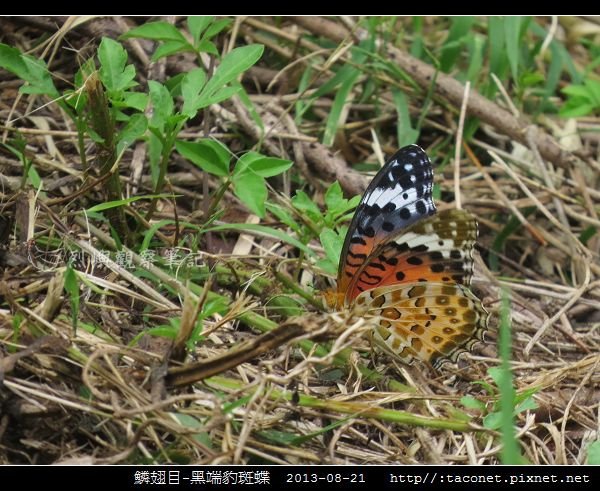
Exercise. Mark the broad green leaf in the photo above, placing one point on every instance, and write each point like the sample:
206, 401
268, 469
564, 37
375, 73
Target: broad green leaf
28, 69
302, 202
576, 108
471, 403
527, 404
332, 244
252, 191
232, 65
210, 155
261, 165
191, 85
216, 27
577, 90
492, 421
283, 216
157, 31
201, 436
170, 48
134, 129
114, 73
162, 104
197, 25
593, 87
594, 453
136, 100
207, 46
334, 197
11, 59
220, 95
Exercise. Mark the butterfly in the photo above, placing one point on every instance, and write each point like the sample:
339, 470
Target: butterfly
409, 267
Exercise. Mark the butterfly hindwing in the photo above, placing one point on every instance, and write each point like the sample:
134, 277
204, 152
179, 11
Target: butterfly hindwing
438, 249
434, 322
398, 196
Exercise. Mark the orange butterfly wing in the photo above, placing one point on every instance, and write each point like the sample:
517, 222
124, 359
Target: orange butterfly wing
410, 268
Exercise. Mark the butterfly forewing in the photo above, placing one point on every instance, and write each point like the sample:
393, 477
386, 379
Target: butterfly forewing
398, 196
438, 249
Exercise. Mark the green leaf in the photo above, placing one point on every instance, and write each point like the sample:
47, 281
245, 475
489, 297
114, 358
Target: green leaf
302, 202
492, 421
136, 100
459, 29
201, 435
471, 403
220, 95
217, 305
587, 233
134, 129
334, 197
170, 48
122, 202
232, 65
575, 108
328, 266
527, 404
276, 437
157, 31
207, 46
512, 28
577, 90
332, 244
262, 229
197, 25
497, 53
282, 215
593, 87
164, 331
216, 28
155, 146
191, 85
252, 191
29, 69
261, 165
114, 73
339, 101
406, 134
162, 104
594, 453
71, 287
476, 45
210, 155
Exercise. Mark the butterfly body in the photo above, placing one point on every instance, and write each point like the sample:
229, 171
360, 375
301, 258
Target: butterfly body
410, 268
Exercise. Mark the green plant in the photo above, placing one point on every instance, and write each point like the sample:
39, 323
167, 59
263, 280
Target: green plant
508, 404
582, 99
107, 109
248, 174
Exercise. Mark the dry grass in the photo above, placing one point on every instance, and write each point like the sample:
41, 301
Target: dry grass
263, 387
